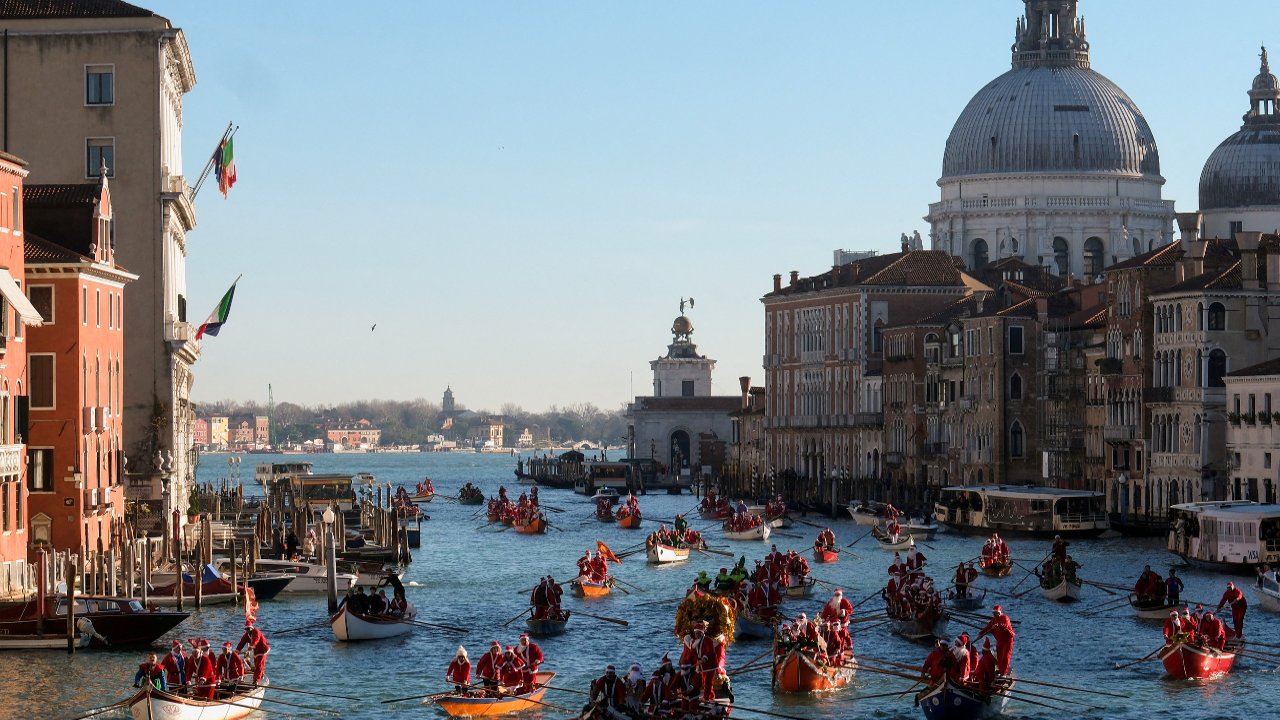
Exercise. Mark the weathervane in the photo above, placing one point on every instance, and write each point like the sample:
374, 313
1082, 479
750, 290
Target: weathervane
682, 302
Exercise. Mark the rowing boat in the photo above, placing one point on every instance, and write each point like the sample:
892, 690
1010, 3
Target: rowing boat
796, 672
1184, 661
748, 625
659, 554
1067, 590
887, 542
546, 627
1156, 609
927, 625
504, 704
996, 569
153, 704
800, 587
1269, 596
972, 600
534, 525
351, 627
949, 700
759, 532
825, 555
587, 588
629, 522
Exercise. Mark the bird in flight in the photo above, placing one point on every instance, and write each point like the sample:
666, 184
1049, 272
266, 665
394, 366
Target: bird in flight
375, 327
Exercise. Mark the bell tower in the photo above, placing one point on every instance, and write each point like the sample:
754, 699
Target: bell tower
1050, 35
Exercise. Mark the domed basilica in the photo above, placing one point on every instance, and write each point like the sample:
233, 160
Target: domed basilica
1051, 162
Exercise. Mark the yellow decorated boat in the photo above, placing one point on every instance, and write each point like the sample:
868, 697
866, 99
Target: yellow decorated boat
463, 705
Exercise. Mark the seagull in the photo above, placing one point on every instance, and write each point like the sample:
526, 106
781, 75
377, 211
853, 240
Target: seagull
375, 327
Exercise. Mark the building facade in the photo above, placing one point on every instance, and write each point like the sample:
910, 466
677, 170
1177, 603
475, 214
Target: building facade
94, 85
76, 365
1253, 432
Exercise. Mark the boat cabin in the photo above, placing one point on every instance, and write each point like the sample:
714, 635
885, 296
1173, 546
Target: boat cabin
1025, 509
319, 491
1232, 536
268, 473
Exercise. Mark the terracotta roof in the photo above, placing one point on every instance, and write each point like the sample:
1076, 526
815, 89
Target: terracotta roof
913, 268
1028, 279
24, 9
70, 195
718, 403
1266, 367
38, 250
1228, 278
1163, 256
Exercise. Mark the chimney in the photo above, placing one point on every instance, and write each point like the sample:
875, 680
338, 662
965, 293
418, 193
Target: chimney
1193, 248
795, 277
1248, 244
1189, 225
777, 282
745, 383
1042, 310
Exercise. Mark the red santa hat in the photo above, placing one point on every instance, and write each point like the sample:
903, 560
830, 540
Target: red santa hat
986, 643
839, 591
177, 644
666, 658
524, 637
226, 645
495, 644
1231, 586
1173, 613
998, 610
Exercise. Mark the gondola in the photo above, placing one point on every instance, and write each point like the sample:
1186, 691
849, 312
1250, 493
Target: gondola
353, 627
798, 672
152, 704
504, 704
1184, 661
949, 700
629, 522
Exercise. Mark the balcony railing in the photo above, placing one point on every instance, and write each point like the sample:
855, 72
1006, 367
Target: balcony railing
867, 419
952, 361
1157, 395
1120, 432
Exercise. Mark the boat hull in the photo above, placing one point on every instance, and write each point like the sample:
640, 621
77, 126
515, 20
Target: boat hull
825, 556
997, 569
796, 672
535, 526
544, 627
1065, 591
748, 626
630, 522
1192, 662
156, 704
1268, 598
422, 498
349, 627
885, 542
40, 642
1151, 611
925, 531
587, 589
972, 601
802, 588
949, 701
462, 706
757, 533
920, 629
662, 554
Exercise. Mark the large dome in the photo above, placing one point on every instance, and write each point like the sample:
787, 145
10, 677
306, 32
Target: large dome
1244, 171
1042, 118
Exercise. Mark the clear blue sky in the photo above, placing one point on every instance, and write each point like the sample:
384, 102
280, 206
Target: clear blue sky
518, 193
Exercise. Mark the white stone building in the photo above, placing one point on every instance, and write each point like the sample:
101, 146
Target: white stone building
1253, 432
1051, 162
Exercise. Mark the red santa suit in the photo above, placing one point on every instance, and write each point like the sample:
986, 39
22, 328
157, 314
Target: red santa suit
706, 655
1000, 627
610, 689
837, 608
959, 669
459, 671
1172, 626
255, 640
986, 674
203, 675
230, 666
1235, 598
511, 670
934, 666
488, 667
531, 656
176, 666
1213, 632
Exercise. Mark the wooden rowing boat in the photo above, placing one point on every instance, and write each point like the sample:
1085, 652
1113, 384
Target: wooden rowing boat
996, 569
925, 626
974, 599
800, 587
887, 542
534, 525
748, 625
422, 497
1067, 590
352, 627
629, 522
1151, 610
796, 672
825, 555
1268, 596
546, 627
586, 588
759, 532
153, 704
949, 700
477, 499
48, 641
505, 704
659, 554
1184, 661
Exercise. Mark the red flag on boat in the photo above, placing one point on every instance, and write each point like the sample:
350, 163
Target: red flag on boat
250, 605
606, 553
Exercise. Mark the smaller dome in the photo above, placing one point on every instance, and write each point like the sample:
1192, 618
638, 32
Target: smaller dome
682, 326
1244, 171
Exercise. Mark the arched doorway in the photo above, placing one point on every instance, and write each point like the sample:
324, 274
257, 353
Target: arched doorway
679, 450
980, 253
1061, 256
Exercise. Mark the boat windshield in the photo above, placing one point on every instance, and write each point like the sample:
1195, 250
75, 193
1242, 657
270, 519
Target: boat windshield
1078, 506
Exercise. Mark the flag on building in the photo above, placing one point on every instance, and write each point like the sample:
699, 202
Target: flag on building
219, 314
224, 164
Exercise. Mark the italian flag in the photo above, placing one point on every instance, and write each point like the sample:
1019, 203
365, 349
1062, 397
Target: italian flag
224, 165
219, 314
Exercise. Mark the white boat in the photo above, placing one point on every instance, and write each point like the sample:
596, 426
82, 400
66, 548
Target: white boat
268, 473
901, 541
1234, 536
865, 515
759, 532
351, 627
308, 577
1269, 595
1027, 510
920, 528
659, 554
1067, 590
606, 493
41, 642
153, 704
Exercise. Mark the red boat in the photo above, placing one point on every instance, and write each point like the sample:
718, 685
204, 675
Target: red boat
629, 522
534, 525
825, 556
795, 671
1184, 661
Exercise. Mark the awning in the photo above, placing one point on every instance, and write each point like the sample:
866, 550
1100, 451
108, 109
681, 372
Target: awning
26, 311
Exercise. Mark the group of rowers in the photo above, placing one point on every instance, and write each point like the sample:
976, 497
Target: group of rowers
962, 663
629, 508
471, 492
545, 600
202, 674
375, 603
826, 638
741, 521
1202, 627
522, 511
1059, 566
502, 672
995, 551
910, 593
670, 692
682, 536
593, 568
826, 541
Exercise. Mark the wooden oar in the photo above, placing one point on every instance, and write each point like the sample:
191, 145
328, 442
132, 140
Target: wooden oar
302, 627
1114, 601
1049, 697
662, 602
752, 710
522, 614
109, 708
1032, 702
282, 702
889, 694
1071, 687
615, 621
882, 671
568, 690
630, 585
870, 627
301, 692
754, 659
1143, 659
873, 594
1252, 642
855, 542
450, 628
750, 668
709, 551
1103, 588
806, 522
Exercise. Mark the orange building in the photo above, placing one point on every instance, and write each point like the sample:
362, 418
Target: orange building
75, 358
15, 312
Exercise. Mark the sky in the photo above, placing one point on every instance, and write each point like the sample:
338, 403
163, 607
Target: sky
518, 194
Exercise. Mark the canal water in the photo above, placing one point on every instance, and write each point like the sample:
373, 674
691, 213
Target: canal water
474, 575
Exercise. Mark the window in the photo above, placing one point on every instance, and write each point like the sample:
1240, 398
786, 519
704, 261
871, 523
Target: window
99, 85
97, 308
980, 253
84, 305
686, 388
1015, 340
1217, 317
40, 368
40, 469
16, 218
1266, 461
1061, 256
97, 152
1236, 226
41, 297
1015, 387
1217, 367
1094, 259
1017, 441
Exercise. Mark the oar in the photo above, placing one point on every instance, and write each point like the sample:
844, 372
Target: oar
889, 694
108, 708
754, 659
450, 628
1142, 659
522, 614
855, 542
1050, 697
881, 671
575, 692
662, 602
750, 668
301, 692
624, 590
870, 627
1113, 601
615, 621
1032, 702
709, 551
630, 585
873, 594
753, 710
302, 627
282, 702
806, 522
1103, 588
1071, 687
1253, 642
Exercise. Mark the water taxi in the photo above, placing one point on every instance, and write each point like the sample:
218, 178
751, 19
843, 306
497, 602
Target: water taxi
1233, 536
1026, 510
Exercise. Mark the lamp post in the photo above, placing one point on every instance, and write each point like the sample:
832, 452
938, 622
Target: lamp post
330, 559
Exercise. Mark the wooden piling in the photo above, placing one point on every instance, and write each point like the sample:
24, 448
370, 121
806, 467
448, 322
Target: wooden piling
71, 605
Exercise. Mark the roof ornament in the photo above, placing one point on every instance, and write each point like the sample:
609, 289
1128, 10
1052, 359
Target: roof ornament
1266, 66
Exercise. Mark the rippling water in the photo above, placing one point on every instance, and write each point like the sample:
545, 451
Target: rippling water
472, 575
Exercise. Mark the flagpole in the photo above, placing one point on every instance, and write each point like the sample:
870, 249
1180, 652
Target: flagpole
227, 134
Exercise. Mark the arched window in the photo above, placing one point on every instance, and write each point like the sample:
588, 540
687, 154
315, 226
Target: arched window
1094, 259
1015, 387
1200, 316
1017, 440
1217, 367
1177, 318
980, 253
1216, 317
1061, 256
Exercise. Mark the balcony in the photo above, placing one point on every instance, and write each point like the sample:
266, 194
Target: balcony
1110, 366
1157, 395
867, 419
1120, 433
954, 361
893, 459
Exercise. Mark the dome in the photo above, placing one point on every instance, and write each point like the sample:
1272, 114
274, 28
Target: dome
1244, 170
1051, 119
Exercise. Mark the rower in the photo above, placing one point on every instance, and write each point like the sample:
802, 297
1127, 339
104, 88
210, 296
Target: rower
152, 672
230, 666
1173, 587
459, 671
986, 674
175, 665
254, 639
838, 607
531, 657
489, 665
635, 687
511, 672
961, 581
1235, 598
1172, 627
609, 690
935, 663
1000, 627
1059, 550
203, 676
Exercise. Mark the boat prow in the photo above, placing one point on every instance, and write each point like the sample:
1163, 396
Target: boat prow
153, 704
659, 554
352, 627
1184, 661
796, 672
467, 706
949, 700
